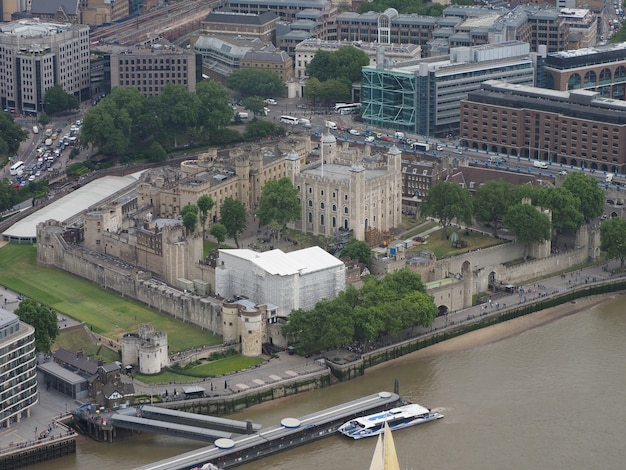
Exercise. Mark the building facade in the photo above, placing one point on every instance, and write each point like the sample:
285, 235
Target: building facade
348, 190
261, 26
36, 56
150, 68
18, 369
425, 98
577, 127
599, 68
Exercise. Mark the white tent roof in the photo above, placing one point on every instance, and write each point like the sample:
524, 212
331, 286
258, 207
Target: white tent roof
279, 263
70, 205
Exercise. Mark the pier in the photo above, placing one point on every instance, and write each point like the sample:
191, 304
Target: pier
292, 432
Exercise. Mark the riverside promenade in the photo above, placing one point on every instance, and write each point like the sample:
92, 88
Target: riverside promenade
53, 404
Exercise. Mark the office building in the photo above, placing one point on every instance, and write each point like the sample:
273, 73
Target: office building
36, 56
425, 98
18, 369
578, 127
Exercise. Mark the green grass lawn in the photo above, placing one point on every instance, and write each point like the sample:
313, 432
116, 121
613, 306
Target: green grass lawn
443, 248
79, 340
209, 369
105, 312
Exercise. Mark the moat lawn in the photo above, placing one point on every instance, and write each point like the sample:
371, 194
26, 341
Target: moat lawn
444, 249
105, 312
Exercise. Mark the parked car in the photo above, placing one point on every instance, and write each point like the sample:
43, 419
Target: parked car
271, 101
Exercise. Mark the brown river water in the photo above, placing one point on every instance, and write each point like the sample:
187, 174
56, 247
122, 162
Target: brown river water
548, 397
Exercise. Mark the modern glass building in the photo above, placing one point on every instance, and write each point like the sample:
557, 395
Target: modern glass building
18, 369
425, 98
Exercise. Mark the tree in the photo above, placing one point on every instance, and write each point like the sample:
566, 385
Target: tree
11, 135
586, 189
261, 128
312, 89
219, 232
214, 110
43, 119
107, 127
8, 195
43, 319
255, 104
251, 82
565, 207
528, 224
182, 109
491, 203
56, 100
233, 217
447, 202
205, 204
189, 213
343, 65
279, 202
357, 249
156, 153
613, 239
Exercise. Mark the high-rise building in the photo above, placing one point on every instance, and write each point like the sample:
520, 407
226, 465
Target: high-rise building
36, 56
18, 369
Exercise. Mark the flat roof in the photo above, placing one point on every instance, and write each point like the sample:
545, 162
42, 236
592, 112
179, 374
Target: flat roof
61, 372
69, 206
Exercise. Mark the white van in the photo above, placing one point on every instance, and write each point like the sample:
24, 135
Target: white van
609, 178
35, 130
243, 115
540, 164
304, 122
399, 135
331, 125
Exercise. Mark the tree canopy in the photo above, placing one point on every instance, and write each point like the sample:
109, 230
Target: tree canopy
205, 204
381, 307
357, 249
491, 203
447, 202
279, 202
219, 232
254, 104
586, 189
11, 135
43, 319
528, 224
189, 213
56, 100
233, 218
250, 82
343, 65
566, 214
613, 239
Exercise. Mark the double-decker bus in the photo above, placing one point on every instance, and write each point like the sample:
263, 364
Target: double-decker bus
16, 168
347, 108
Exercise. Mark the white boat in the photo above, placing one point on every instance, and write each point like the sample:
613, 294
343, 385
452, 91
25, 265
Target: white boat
397, 418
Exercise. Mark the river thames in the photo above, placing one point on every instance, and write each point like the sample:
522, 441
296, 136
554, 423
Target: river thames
548, 397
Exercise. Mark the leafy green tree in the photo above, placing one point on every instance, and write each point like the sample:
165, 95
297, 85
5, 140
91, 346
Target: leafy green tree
43, 319
56, 100
343, 65
8, 195
250, 82
156, 153
566, 214
447, 202
43, 119
279, 202
312, 89
215, 111
11, 135
586, 189
357, 249
613, 239
261, 128
528, 224
108, 128
491, 203
182, 109
332, 91
189, 213
205, 204
148, 123
254, 104
218, 231
233, 217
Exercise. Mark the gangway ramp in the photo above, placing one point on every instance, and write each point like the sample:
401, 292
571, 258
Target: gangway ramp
137, 423
198, 420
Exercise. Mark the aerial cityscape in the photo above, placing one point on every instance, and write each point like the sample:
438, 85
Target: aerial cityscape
242, 233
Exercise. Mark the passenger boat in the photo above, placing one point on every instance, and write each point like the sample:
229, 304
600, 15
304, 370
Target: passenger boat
397, 418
